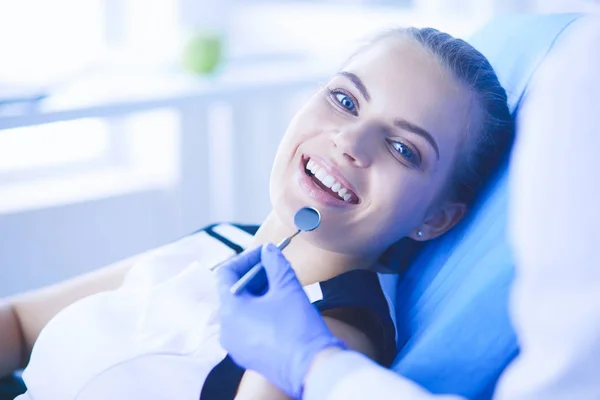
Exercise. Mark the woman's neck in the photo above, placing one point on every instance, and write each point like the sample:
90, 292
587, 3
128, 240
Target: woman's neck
311, 263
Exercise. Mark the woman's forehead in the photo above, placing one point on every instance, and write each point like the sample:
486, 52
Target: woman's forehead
400, 60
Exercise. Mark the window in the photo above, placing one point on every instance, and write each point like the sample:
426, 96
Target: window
89, 158
44, 146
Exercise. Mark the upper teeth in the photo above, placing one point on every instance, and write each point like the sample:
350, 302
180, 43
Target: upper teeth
321, 174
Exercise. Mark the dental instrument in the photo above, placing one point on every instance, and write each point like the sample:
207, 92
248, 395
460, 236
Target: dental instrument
306, 219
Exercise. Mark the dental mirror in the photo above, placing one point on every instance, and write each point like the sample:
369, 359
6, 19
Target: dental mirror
306, 219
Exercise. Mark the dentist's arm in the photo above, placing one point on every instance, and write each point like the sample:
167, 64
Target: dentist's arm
555, 218
337, 374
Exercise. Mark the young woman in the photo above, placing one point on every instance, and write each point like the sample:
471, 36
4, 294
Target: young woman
395, 146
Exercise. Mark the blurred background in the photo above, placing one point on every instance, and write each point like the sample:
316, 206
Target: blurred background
127, 124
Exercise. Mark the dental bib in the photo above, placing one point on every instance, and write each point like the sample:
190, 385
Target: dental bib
156, 337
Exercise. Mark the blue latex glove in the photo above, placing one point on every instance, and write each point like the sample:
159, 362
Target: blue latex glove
278, 333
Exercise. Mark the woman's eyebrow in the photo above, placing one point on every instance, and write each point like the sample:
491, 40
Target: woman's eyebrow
357, 82
399, 122
408, 126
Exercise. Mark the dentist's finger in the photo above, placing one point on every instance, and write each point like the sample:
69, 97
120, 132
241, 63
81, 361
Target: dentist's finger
277, 267
233, 269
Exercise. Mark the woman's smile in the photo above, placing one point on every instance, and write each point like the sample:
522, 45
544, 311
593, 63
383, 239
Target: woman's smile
324, 183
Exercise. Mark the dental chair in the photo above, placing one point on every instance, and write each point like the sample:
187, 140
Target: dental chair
454, 332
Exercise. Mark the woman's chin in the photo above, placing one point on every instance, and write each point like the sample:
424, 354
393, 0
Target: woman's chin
285, 209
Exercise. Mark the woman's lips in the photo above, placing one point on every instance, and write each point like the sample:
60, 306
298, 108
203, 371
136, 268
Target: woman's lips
330, 176
313, 190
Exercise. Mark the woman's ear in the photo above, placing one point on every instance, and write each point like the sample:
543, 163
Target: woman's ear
440, 222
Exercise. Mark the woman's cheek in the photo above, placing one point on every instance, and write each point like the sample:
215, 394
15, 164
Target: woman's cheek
312, 121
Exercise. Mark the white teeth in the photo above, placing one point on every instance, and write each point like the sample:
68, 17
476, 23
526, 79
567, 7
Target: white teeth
329, 181
312, 166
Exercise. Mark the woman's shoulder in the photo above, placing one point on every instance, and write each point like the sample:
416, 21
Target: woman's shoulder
357, 298
360, 288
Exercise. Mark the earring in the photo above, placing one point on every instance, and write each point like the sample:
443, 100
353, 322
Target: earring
420, 234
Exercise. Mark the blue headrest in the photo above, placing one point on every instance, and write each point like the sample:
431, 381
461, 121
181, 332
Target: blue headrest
455, 335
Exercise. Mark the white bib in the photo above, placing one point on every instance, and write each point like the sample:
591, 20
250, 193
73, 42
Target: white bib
156, 337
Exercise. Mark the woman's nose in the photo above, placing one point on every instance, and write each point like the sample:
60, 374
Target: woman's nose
357, 143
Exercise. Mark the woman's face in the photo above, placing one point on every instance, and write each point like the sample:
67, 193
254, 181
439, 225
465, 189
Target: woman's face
373, 150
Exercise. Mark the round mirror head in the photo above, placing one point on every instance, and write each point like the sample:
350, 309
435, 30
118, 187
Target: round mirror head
307, 219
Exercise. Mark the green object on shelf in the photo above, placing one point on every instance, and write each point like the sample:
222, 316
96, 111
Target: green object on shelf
203, 53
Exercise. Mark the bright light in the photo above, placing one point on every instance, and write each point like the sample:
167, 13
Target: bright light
42, 41
52, 144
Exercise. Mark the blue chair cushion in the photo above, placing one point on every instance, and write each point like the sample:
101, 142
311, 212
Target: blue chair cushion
455, 334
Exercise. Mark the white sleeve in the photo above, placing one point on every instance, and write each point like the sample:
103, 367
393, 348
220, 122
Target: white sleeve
555, 227
349, 375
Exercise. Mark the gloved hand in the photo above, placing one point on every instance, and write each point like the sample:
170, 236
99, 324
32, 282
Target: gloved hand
278, 333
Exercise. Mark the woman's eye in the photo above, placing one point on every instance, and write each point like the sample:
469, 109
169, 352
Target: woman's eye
345, 101
406, 152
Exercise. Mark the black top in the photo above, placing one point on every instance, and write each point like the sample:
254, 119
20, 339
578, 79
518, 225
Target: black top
355, 297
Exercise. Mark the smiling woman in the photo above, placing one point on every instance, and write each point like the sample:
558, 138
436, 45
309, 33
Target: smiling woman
409, 121
394, 147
